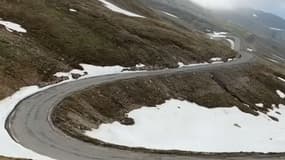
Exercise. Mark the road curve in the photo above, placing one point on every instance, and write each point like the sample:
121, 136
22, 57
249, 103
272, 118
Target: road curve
30, 125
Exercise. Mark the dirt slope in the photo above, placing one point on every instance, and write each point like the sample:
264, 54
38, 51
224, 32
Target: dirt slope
58, 39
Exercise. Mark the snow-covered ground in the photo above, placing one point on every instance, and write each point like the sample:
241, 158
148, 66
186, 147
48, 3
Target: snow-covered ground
169, 14
11, 27
254, 15
280, 94
117, 9
92, 71
8, 147
182, 125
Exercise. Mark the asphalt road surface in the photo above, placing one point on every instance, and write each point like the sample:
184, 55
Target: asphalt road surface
30, 125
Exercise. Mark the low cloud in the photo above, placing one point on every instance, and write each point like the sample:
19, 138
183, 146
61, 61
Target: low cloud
274, 6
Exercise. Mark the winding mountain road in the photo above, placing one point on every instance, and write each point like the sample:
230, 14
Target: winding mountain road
30, 125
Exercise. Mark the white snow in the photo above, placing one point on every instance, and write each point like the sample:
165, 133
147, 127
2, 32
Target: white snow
181, 64
281, 94
11, 27
117, 9
72, 10
260, 105
249, 50
169, 14
281, 79
232, 43
140, 65
182, 125
230, 59
91, 71
8, 147
254, 15
217, 35
273, 60
276, 29
216, 60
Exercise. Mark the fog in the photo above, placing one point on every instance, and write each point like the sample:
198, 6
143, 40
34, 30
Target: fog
274, 6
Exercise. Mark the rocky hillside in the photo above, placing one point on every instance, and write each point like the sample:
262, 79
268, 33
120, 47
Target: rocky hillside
62, 34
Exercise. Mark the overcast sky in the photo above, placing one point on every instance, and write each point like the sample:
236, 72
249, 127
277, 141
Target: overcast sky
274, 6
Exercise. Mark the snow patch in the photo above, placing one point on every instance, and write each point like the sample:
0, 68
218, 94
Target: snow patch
11, 27
182, 125
117, 9
72, 10
169, 14
232, 43
217, 35
280, 94
91, 71
249, 49
272, 60
181, 64
140, 65
276, 29
216, 60
281, 79
254, 15
260, 105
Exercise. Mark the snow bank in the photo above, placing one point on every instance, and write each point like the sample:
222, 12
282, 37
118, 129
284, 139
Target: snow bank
249, 50
72, 10
281, 79
217, 35
232, 43
280, 94
169, 14
91, 71
8, 146
260, 105
140, 65
272, 60
11, 27
216, 60
181, 125
181, 64
117, 9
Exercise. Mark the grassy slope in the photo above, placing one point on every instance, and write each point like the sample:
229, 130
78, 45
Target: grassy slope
58, 40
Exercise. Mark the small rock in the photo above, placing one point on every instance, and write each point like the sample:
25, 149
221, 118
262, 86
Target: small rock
237, 125
127, 121
75, 76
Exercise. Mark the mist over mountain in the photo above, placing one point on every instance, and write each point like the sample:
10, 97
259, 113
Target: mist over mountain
276, 7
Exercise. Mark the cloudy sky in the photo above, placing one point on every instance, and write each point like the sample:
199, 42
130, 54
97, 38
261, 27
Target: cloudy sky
274, 6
